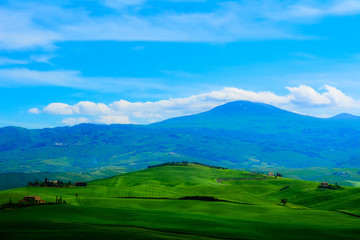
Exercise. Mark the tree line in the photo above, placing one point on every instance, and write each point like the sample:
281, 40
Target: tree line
20, 204
185, 163
46, 183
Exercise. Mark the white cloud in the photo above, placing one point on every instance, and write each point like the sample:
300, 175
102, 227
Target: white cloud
83, 107
308, 96
113, 119
60, 108
34, 111
106, 119
305, 95
75, 121
338, 98
90, 108
123, 111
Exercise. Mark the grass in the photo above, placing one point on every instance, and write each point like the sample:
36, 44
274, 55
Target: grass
254, 212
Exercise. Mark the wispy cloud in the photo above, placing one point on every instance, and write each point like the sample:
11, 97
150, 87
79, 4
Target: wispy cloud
34, 110
120, 4
146, 112
302, 10
42, 58
19, 28
74, 79
9, 61
36, 24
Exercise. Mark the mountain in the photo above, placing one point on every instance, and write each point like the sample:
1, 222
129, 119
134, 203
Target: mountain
240, 115
240, 109
346, 116
239, 134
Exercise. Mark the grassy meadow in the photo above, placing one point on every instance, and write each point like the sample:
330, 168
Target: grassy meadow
146, 205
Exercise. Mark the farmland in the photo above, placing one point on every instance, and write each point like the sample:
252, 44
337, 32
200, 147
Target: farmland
147, 204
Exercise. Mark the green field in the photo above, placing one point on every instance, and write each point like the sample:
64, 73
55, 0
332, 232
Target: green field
146, 205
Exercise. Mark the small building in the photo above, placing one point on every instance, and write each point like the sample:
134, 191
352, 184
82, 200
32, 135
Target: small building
80, 184
271, 174
32, 199
324, 184
50, 183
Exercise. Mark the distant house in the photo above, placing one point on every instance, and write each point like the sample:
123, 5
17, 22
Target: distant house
324, 184
270, 174
80, 184
50, 183
32, 199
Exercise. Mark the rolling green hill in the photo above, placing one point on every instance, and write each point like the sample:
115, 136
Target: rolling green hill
147, 204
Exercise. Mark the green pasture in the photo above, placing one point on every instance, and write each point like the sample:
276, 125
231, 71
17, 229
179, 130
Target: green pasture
146, 205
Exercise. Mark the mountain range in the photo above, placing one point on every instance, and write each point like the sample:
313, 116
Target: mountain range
239, 135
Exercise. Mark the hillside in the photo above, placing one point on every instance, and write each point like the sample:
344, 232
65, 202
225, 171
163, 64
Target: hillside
148, 203
238, 135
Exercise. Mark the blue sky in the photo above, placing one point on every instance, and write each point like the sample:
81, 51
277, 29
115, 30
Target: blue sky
141, 61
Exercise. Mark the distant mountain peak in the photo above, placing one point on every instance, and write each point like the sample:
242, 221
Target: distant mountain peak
246, 107
345, 116
234, 115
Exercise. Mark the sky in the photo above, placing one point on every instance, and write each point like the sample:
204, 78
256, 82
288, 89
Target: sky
141, 61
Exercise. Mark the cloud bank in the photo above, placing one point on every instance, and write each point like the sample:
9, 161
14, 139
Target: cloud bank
125, 112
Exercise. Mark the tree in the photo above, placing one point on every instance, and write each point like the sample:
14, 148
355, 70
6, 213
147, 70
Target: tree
284, 201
